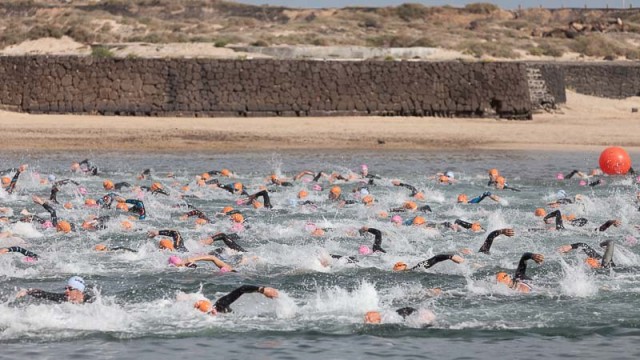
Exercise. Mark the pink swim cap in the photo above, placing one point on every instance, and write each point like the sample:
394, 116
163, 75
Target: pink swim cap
316, 187
364, 167
638, 179
29, 259
237, 227
224, 269
364, 250
560, 176
306, 180
583, 183
241, 202
82, 190
174, 260
310, 227
47, 224
396, 219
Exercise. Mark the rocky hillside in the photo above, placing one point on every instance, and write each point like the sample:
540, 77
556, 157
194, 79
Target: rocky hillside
478, 30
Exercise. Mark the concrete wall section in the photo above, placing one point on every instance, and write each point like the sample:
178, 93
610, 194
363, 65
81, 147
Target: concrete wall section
198, 87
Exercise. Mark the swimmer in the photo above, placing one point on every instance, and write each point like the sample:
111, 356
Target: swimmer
594, 259
137, 208
102, 247
493, 177
424, 316
155, 188
517, 282
475, 227
61, 226
96, 223
178, 243
74, 293
223, 304
463, 199
414, 192
109, 185
411, 206
580, 222
223, 172
377, 244
191, 262
195, 212
335, 194
401, 266
18, 249
228, 239
279, 182
55, 188
265, 198
486, 246
501, 184
12, 183
304, 173
235, 188
145, 174
85, 167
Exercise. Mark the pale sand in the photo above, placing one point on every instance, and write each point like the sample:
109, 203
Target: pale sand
587, 123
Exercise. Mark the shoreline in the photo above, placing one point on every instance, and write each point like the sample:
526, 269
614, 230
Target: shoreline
585, 123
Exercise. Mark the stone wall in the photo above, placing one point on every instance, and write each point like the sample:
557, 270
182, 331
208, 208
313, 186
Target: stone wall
199, 87
611, 80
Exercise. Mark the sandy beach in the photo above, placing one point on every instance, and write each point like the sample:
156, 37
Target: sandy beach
584, 123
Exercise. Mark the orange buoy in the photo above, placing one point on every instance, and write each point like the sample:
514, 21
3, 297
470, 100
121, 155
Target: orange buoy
615, 161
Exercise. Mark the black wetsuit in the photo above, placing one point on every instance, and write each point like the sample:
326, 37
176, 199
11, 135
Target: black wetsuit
521, 270
580, 222
229, 240
178, 243
223, 304
118, 248
413, 189
406, 311
590, 252
265, 197
464, 224
87, 167
138, 208
154, 192
52, 212
486, 246
377, 244
199, 214
231, 189
432, 261
56, 188
14, 181
120, 185
22, 251
56, 297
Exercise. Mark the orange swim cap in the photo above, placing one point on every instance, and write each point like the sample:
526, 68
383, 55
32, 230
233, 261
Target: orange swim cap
400, 266
107, 184
156, 186
237, 218
540, 212
68, 205
225, 172
200, 221
569, 217
592, 262
302, 194
503, 278
419, 196
126, 225
372, 317
63, 226
88, 225
203, 305
90, 202
317, 232
226, 209
122, 206
100, 247
6, 180
336, 190
462, 198
257, 204
383, 214
274, 177
367, 199
166, 244
443, 179
205, 176
500, 180
494, 172
237, 186
476, 227
419, 220
410, 205
185, 188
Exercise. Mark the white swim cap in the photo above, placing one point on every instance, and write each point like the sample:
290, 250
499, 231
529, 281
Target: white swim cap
76, 282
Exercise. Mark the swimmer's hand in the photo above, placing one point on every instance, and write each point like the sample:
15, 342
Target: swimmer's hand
269, 292
616, 223
457, 259
565, 248
36, 199
22, 168
538, 258
22, 293
396, 182
153, 233
507, 232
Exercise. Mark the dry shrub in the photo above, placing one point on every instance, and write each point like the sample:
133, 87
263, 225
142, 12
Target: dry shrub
493, 49
42, 31
481, 8
597, 46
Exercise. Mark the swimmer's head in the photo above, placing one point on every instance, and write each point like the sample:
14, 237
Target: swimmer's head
503, 278
107, 185
122, 206
257, 204
68, 205
47, 224
400, 266
100, 247
318, 232
200, 221
302, 194
63, 226
540, 212
396, 219
592, 262
75, 166
364, 191
383, 214
443, 179
201, 182
174, 260
463, 199
410, 205
582, 183
418, 220
500, 180
237, 218
372, 317
419, 196
450, 174
51, 177
76, 283
6, 180
156, 186
364, 250
204, 305
227, 209
494, 172
561, 194
559, 176
90, 202
126, 225
205, 176
335, 191
475, 227
367, 200
225, 172
237, 187
166, 244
